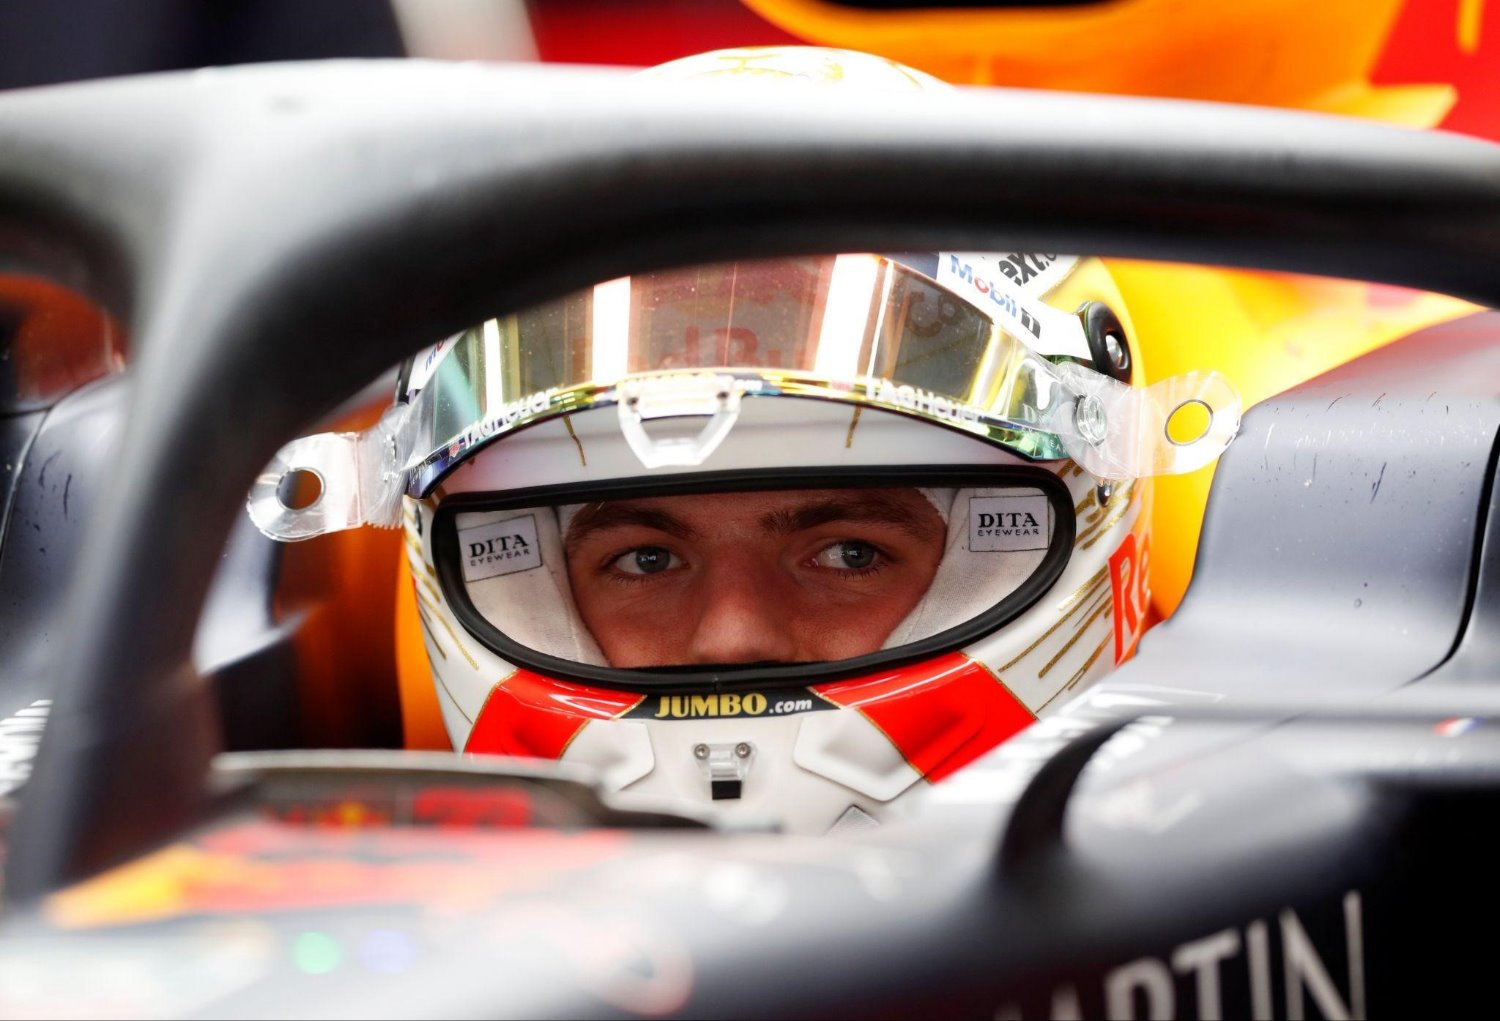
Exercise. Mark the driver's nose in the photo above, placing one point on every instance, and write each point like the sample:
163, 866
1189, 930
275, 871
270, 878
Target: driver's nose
742, 619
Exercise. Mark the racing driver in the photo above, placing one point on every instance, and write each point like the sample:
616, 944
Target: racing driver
788, 538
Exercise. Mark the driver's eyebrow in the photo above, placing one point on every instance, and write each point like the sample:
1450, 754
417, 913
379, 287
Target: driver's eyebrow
870, 507
601, 517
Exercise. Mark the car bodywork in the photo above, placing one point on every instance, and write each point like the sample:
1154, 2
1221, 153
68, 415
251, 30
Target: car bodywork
1277, 802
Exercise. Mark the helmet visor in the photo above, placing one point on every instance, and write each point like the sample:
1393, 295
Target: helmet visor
688, 344
846, 326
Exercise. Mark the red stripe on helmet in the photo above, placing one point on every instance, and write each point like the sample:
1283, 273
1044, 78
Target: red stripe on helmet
941, 714
527, 714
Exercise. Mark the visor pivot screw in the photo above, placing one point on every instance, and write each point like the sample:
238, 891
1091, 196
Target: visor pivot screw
742, 749
700, 751
632, 401
1102, 492
1090, 418
1114, 347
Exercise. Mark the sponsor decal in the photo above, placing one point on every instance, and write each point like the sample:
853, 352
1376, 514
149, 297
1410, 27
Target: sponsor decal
1009, 523
1010, 286
1191, 979
1129, 583
501, 547
19, 736
728, 705
914, 398
1021, 268
427, 365
960, 274
509, 414
1031, 274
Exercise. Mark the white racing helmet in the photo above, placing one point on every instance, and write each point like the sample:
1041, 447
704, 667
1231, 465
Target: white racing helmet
789, 537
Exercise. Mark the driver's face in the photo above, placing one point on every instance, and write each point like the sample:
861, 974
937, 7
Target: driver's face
794, 576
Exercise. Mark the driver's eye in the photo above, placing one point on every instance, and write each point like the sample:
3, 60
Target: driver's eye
646, 560
849, 555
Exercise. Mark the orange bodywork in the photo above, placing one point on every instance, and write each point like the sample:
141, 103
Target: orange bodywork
1390, 60
59, 340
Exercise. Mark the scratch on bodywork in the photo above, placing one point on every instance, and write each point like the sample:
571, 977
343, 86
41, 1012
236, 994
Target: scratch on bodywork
41, 478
